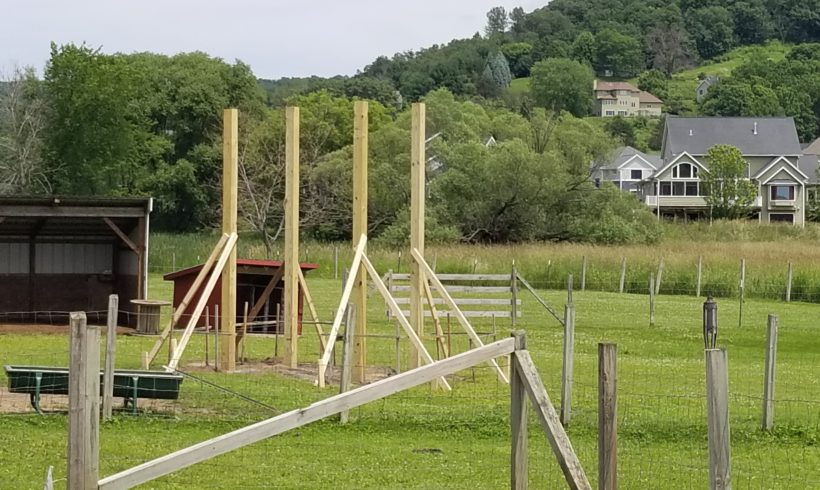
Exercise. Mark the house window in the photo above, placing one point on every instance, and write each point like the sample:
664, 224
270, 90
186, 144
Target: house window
610, 113
678, 189
621, 113
636, 174
691, 188
685, 171
781, 218
666, 188
782, 193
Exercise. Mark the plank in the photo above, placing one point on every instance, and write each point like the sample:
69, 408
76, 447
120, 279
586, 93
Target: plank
464, 301
110, 355
717, 406
230, 178
263, 298
557, 437
469, 313
312, 308
122, 236
291, 290
607, 417
518, 423
462, 289
84, 403
360, 149
302, 416
455, 310
418, 163
460, 277
431, 305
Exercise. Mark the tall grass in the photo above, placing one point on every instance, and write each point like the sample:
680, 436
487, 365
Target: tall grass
767, 249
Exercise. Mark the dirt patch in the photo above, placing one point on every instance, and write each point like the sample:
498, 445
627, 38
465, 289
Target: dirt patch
44, 328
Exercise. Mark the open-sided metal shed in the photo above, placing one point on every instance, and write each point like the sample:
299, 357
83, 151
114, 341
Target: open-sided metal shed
60, 254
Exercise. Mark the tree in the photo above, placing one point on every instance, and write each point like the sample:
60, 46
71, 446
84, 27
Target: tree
562, 85
729, 193
496, 75
497, 21
621, 129
654, 82
519, 56
583, 48
739, 98
619, 53
713, 30
753, 24
669, 47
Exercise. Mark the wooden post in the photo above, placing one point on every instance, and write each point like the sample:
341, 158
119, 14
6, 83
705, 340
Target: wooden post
230, 174
207, 334
584, 273
347, 352
651, 299
623, 275
514, 293
769, 376
145, 361
659, 277
567, 371
244, 333
217, 353
717, 402
359, 294
110, 355
172, 344
569, 288
336, 262
607, 417
700, 275
418, 161
742, 290
389, 283
291, 291
789, 283
518, 421
83, 404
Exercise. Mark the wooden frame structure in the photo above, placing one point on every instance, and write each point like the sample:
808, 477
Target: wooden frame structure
526, 383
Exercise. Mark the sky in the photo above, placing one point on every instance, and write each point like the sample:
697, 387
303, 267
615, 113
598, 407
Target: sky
276, 38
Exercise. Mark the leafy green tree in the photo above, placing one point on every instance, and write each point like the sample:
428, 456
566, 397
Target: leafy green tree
562, 85
620, 53
496, 76
520, 59
753, 24
497, 21
621, 129
583, 48
713, 30
654, 82
729, 193
736, 98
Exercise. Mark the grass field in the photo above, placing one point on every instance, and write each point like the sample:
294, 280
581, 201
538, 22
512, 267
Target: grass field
426, 439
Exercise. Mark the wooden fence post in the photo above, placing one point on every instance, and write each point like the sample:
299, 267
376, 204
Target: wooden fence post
651, 299
110, 355
83, 404
566, 372
518, 421
347, 354
569, 288
789, 283
700, 275
336, 262
514, 293
717, 401
623, 275
769, 376
659, 277
607, 417
584, 273
742, 290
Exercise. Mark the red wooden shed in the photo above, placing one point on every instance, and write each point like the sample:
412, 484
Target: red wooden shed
252, 277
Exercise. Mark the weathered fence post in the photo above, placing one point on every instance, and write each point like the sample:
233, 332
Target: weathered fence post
518, 420
566, 373
607, 417
83, 404
651, 299
514, 293
584, 273
623, 275
347, 353
717, 402
700, 275
742, 290
659, 277
336, 262
570, 281
769, 376
789, 283
110, 355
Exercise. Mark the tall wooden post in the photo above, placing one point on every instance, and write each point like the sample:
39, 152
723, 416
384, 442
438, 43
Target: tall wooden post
651, 299
623, 275
566, 373
607, 417
518, 420
417, 214
291, 292
659, 278
83, 404
769, 375
742, 287
514, 294
344, 382
789, 283
584, 273
359, 295
717, 403
230, 175
110, 353
700, 275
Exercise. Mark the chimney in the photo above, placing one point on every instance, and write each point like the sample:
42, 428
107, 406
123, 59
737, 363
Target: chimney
755, 130
594, 85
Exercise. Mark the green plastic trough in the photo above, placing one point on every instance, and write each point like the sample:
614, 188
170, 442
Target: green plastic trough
131, 385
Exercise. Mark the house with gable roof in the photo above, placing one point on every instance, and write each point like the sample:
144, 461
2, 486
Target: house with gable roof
623, 99
626, 168
771, 147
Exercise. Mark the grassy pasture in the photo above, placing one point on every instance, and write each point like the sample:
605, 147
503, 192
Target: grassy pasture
425, 439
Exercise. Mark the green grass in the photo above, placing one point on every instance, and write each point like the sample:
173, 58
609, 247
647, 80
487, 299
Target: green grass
426, 439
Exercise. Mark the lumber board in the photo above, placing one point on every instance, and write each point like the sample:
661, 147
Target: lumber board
230, 177
302, 416
464, 301
360, 200
459, 277
461, 289
122, 236
433, 312
263, 298
312, 308
290, 294
470, 313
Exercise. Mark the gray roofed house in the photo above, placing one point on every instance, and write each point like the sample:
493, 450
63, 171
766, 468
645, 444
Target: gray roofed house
626, 167
704, 86
752, 135
812, 148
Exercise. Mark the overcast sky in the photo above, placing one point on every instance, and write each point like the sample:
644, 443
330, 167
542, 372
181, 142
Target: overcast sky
277, 38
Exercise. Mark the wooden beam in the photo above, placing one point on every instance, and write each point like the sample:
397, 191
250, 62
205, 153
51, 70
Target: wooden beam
35, 211
431, 304
607, 417
230, 176
83, 404
302, 416
134, 248
203, 300
186, 300
263, 298
557, 437
312, 308
518, 422
110, 355
360, 142
291, 292
411, 334
455, 310
340, 311
417, 185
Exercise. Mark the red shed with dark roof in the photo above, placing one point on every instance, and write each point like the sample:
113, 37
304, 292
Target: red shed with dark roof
252, 277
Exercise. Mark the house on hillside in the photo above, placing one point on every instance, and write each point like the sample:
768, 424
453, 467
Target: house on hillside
623, 99
770, 146
626, 168
704, 86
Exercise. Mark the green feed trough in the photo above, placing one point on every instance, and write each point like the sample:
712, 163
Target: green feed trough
131, 385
